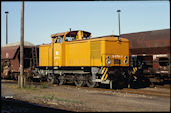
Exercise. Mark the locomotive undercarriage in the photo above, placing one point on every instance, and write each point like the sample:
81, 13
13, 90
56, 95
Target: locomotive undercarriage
85, 76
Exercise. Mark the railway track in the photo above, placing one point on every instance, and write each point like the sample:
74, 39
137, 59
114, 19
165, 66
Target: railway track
144, 91
158, 90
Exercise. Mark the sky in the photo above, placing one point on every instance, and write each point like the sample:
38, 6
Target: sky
41, 19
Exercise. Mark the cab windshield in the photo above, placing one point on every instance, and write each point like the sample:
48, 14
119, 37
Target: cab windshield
71, 36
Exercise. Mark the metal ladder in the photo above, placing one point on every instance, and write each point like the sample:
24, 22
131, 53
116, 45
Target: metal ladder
34, 56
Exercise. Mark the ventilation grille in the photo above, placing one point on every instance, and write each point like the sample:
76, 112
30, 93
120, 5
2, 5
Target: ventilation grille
95, 49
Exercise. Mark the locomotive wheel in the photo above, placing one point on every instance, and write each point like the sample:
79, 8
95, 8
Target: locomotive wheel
51, 78
61, 80
79, 81
90, 83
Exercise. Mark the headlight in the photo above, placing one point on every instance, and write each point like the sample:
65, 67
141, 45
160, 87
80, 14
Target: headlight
126, 60
108, 61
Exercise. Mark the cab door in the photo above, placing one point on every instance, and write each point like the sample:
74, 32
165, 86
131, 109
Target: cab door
57, 51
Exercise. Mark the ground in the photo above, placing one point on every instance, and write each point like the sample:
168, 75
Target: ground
54, 98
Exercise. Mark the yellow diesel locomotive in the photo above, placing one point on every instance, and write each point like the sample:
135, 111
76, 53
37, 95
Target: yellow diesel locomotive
75, 56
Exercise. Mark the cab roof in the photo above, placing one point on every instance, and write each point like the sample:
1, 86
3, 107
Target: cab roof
71, 32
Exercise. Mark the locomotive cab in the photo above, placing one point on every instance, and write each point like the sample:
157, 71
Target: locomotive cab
70, 36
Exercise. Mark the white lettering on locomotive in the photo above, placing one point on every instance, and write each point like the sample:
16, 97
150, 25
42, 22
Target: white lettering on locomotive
117, 56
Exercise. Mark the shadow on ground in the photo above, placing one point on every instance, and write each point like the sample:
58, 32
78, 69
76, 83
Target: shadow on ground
139, 84
9, 105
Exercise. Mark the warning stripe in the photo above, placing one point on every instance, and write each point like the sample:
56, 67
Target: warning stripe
104, 72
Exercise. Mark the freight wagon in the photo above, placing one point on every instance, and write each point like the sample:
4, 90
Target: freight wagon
10, 60
152, 48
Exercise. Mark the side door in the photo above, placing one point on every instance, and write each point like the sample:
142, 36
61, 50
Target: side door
57, 51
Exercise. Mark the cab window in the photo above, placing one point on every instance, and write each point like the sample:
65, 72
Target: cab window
70, 37
59, 39
85, 36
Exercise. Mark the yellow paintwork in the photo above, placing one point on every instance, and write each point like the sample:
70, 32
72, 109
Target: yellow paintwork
45, 55
89, 52
79, 35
